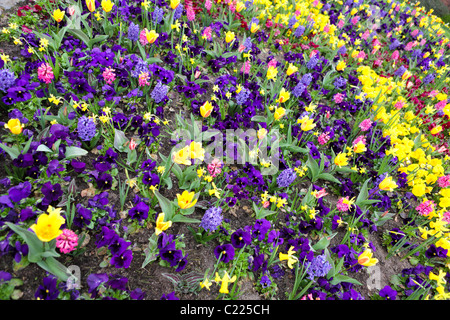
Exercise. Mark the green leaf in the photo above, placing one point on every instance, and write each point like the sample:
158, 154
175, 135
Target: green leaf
44, 148
181, 218
341, 278
12, 151
323, 243
119, 140
54, 267
258, 119
35, 246
73, 152
363, 193
166, 206
328, 176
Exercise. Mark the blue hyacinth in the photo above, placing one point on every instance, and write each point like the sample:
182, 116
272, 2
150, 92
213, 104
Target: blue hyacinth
133, 32
318, 267
7, 79
286, 177
212, 219
86, 128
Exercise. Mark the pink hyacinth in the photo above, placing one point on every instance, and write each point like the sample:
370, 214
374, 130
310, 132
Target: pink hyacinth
444, 181
45, 73
272, 63
395, 55
425, 208
341, 24
414, 33
143, 79
190, 13
143, 37
441, 105
359, 139
365, 125
355, 20
338, 97
323, 138
109, 75
246, 67
446, 217
67, 241
215, 167
341, 205
208, 4
207, 33
365, 35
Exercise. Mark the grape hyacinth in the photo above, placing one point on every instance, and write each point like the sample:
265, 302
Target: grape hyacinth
86, 128
212, 219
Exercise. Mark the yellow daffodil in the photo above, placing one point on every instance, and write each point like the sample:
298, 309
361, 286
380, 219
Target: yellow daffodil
341, 159
289, 256
271, 73
205, 284
48, 225
225, 280
186, 199
162, 225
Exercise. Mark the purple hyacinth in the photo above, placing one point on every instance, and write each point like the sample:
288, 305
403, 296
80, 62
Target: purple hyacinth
86, 128
242, 96
7, 79
299, 89
178, 12
400, 71
133, 32
318, 267
312, 62
286, 177
159, 92
157, 15
299, 31
212, 219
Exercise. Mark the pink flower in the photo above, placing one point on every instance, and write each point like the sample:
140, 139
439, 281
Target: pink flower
341, 24
441, 104
67, 241
272, 63
343, 205
395, 55
208, 4
190, 13
359, 139
365, 125
71, 10
143, 79
444, 181
246, 67
321, 193
426, 207
446, 217
215, 167
109, 75
143, 37
45, 73
338, 97
355, 20
266, 204
269, 23
323, 138
414, 33
207, 33
132, 144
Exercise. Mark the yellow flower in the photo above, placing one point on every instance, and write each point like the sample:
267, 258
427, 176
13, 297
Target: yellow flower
284, 96
365, 259
436, 130
306, 123
14, 126
359, 147
341, 65
240, 6
289, 256
262, 133
387, 184
206, 109
272, 73
90, 5
214, 191
58, 15
151, 36
205, 284
182, 156
225, 280
48, 225
341, 160
174, 4
229, 36
254, 27
279, 113
291, 69
162, 225
107, 5
186, 199
196, 151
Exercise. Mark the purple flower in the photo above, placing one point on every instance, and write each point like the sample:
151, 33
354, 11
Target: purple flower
172, 256
105, 237
318, 267
388, 293
212, 219
157, 15
240, 238
7, 79
225, 252
51, 192
139, 211
286, 177
122, 259
133, 32
19, 192
48, 289
435, 252
104, 181
265, 282
151, 179
94, 280
159, 92
169, 296
86, 128
137, 294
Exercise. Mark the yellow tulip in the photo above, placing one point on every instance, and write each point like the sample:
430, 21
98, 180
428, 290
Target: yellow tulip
48, 225
254, 27
182, 156
291, 69
196, 151
365, 259
229, 36
308, 124
240, 6
107, 5
271, 73
341, 160
174, 4
206, 109
284, 96
90, 5
14, 126
186, 199
387, 184
58, 15
279, 113
162, 225
151, 36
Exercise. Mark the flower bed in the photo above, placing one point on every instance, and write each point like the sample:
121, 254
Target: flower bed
224, 150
